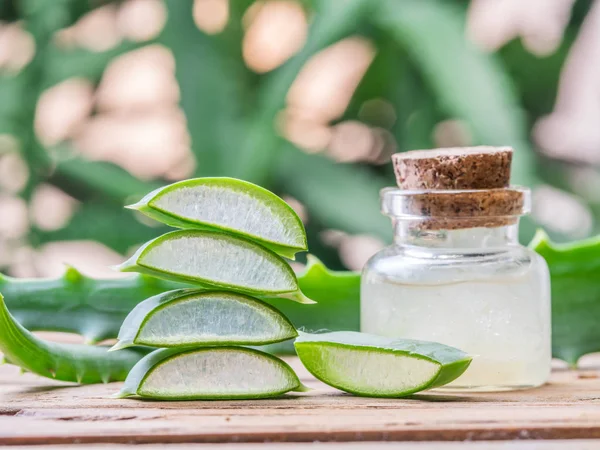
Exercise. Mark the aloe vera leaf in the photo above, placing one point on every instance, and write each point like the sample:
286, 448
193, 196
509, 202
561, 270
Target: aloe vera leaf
188, 318
96, 308
575, 287
210, 373
376, 366
81, 364
230, 205
75, 303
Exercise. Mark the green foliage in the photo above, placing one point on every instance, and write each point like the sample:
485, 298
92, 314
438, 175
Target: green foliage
338, 196
482, 95
575, 295
424, 67
84, 364
214, 84
74, 303
333, 20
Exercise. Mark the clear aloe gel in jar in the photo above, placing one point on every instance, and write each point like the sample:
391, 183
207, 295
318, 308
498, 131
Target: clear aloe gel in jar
456, 273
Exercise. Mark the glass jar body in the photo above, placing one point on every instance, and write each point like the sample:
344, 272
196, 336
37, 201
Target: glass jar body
474, 289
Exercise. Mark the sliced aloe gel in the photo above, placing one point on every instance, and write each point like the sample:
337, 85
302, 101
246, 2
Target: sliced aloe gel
210, 373
230, 205
375, 366
192, 318
210, 258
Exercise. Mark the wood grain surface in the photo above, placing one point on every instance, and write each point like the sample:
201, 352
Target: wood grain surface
38, 411
576, 444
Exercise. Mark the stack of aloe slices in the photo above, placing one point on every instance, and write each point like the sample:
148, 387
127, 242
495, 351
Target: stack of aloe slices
234, 258
233, 239
234, 236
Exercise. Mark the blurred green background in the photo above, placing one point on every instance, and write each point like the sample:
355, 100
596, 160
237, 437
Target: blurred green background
101, 101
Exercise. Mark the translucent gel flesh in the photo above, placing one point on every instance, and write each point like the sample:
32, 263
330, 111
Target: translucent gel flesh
501, 321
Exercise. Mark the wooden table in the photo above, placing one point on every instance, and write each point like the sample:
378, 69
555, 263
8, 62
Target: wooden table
37, 411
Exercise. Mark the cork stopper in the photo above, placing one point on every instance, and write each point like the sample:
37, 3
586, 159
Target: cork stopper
455, 188
451, 210
454, 168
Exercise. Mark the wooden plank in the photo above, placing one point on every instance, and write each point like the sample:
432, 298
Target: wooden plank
481, 445
36, 411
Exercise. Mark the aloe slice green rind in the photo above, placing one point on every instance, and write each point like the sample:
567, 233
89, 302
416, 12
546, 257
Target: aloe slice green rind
193, 318
130, 328
138, 372
210, 373
229, 205
210, 258
376, 366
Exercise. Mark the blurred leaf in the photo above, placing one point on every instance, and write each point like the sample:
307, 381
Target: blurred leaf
381, 77
110, 225
212, 81
468, 84
84, 179
536, 77
424, 67
8, 10
328, 254
393, 77
44, 17
62, 65
340, 196
78, 8
575, 295
332, 21
417, 113
580, 10
11, 101
417, 132
233, 34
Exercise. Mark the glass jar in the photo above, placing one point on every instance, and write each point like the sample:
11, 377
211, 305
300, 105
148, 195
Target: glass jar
475, 288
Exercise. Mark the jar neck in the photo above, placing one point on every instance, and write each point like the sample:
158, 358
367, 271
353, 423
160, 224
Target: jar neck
406, 232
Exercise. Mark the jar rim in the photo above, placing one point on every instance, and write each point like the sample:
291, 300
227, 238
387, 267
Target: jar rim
513, 201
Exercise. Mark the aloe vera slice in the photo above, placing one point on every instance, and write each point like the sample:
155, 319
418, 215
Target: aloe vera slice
191, 318
230, 205
215, 259
376, 366
210, 373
